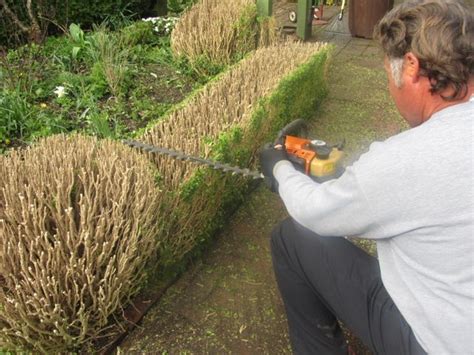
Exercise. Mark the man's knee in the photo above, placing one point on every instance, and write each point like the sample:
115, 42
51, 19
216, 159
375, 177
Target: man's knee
292, 239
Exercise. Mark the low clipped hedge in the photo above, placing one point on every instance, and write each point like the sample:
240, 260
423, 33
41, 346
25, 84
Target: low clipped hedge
229, 120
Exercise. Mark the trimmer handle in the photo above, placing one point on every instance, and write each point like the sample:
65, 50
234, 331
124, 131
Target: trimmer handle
298, 128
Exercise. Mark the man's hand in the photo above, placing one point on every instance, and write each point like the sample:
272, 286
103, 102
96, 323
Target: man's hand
269, 156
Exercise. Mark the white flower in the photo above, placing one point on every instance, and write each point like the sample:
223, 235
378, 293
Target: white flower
60, 91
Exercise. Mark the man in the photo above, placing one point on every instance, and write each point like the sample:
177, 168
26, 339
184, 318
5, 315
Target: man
412, 194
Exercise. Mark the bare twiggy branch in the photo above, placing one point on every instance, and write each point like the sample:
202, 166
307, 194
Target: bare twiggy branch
31, 15
14, 17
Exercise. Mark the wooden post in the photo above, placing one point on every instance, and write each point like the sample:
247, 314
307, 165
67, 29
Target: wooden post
304, 22
264, 7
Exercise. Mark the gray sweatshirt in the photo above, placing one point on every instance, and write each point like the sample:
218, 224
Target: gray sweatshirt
413, 194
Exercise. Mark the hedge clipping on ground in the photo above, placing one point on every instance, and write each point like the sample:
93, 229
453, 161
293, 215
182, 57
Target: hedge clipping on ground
228, 121
77, 225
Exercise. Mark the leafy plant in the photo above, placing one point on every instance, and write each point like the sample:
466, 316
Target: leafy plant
109, 50
98, 123
77, 36
15, 116
23, 121
141, 32
23, 69
55, 15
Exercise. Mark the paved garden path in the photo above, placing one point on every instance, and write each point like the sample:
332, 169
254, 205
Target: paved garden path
227, 302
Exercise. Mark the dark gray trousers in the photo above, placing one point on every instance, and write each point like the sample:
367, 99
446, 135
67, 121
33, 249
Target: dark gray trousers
322, 279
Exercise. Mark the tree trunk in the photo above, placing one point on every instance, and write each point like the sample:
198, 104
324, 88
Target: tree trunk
32, 30
161, 7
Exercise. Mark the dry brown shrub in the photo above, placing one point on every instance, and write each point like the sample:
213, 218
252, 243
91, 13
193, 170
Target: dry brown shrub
77, 226
226, 103
220, 31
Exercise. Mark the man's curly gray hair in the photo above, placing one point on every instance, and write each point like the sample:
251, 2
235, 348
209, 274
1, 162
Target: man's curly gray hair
440, 33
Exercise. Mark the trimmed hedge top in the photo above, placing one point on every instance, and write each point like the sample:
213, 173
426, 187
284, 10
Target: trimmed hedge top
226, 102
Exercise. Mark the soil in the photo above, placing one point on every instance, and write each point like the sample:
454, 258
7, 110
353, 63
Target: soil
228, 302
158, 88
164, 84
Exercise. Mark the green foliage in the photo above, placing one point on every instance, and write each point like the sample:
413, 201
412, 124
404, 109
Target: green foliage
16, 116
203, 66
141, 32
246, 29
177, 6
109, 90
223, 148
97, 81
21, 121
60, 14
297, 96
21, 68
201, 71
78, 38
99, 126
109, 51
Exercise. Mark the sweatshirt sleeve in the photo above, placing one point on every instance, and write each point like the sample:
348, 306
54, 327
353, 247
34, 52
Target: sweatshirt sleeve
337, 207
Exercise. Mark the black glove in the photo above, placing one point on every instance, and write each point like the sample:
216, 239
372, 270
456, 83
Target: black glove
269, 156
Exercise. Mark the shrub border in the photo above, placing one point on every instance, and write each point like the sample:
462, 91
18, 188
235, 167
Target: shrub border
298, 95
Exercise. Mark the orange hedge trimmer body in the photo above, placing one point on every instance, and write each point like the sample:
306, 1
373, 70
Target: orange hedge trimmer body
314, 157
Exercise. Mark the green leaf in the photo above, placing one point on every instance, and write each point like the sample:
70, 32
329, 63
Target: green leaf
75, 52
76, 33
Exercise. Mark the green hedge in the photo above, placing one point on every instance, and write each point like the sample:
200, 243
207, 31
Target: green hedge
218, 194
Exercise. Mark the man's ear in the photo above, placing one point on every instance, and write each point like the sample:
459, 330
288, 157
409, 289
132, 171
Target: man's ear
412, 66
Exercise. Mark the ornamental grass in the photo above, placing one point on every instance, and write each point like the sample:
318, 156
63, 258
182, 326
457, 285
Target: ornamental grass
77, 228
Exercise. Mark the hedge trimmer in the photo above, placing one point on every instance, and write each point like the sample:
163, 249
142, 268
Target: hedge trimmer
313, 157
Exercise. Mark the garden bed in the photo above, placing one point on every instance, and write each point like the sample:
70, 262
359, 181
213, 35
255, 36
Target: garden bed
102, 83
94, 204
